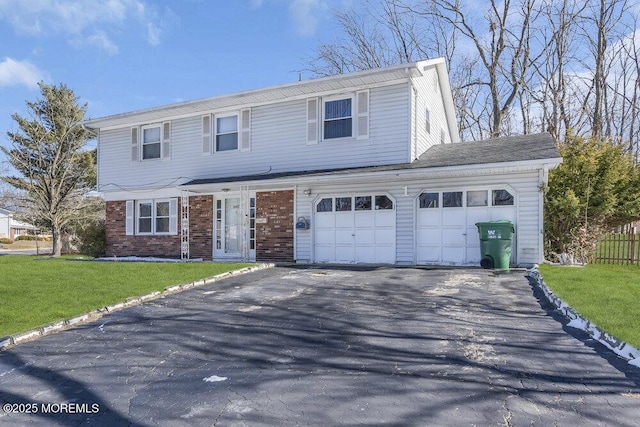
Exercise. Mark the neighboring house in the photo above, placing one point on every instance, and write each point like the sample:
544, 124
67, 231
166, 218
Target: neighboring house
11, 228
356, 168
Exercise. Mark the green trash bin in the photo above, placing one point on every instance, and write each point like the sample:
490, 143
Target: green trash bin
495, 243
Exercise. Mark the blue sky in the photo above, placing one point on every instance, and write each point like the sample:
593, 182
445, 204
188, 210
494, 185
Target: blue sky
124, 55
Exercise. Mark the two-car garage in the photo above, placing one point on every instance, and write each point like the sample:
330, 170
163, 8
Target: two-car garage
362, 228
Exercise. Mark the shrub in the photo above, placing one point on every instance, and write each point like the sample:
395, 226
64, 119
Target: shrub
5, 241
26, 237
92, 239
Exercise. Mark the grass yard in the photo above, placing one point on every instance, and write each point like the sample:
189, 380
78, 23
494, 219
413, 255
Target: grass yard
37, 291
607, 295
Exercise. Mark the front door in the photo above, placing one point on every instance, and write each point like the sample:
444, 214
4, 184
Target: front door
234, 228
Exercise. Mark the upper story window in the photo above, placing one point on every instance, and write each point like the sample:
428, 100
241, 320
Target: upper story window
151, 142
338, 118
226, 133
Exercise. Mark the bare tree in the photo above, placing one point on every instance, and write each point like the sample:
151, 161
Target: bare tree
501, 41
602, 20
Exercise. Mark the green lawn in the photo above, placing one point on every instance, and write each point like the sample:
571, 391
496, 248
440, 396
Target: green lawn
37, 291
607, 295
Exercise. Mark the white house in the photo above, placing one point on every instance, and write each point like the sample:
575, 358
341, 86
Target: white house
11, 228
356, 168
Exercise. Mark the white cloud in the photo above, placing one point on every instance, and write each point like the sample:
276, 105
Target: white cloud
153, 34
305, 15
89, 22
20, 73
101, 40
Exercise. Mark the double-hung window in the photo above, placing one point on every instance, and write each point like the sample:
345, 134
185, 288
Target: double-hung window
226, 133
338, 118
151, 142
153, 217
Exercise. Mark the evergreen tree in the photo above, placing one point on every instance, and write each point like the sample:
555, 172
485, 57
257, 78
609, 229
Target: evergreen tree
596, 188
47, 151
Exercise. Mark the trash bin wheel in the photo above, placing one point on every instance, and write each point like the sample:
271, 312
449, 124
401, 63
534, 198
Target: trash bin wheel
487, 262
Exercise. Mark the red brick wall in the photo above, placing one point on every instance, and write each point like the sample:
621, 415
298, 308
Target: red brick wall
201, 227
119, 244
274, 239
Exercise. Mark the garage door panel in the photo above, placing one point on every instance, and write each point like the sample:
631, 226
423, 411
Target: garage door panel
477, 215
385, 236
385, 218
344, 236
453, 236
324, 220
453, 217
385, 255
365, 254
364, 237
344, 220
324, 253
325, 237
428, 217
453, 255
364, 219
429, 236
428, 254
344, 253
473, 254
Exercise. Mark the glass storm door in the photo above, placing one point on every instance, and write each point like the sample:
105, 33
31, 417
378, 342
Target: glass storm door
235, 229
228, 227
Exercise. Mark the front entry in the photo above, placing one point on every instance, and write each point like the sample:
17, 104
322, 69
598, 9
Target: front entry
234, 226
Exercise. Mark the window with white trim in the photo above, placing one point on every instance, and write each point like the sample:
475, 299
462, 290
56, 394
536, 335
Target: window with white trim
151, 142
226, 133
337, 117
156, 216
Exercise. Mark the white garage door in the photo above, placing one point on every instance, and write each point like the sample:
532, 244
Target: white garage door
355, 229
446, 230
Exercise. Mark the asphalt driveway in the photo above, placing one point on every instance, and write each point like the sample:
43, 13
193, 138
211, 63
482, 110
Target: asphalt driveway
320, 346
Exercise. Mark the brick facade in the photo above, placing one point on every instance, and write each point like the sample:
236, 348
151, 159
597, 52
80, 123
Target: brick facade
274, 239
119, 244
201, 227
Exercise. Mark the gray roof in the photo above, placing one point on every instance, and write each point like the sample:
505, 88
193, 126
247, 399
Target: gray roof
507, 149
538, 147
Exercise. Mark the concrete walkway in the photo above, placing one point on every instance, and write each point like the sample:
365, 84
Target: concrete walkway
295, 346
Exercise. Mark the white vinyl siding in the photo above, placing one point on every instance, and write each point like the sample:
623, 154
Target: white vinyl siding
429, 114
278, 143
